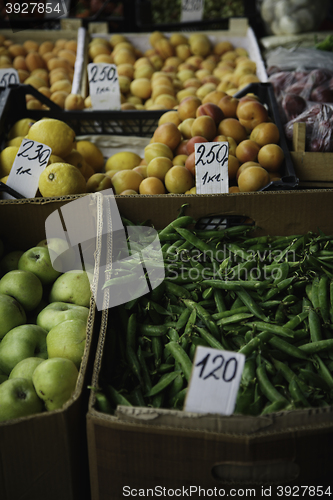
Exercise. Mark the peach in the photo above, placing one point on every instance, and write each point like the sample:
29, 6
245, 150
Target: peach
190, 163
178, 180
197, 139
265, 133
247, 150
188, 107
211, 110
185, 128
233, 128
169, 134
251, 113
205, 126
271, 157
253, 179
229, 104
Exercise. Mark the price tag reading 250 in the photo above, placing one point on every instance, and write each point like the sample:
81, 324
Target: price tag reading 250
214, 382
31, 159
104, 86
211, 167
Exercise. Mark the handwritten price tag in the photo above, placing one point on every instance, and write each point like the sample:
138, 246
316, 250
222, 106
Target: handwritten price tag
8, 76
211, 167
104, 86
30, 161
192, 10
214, 381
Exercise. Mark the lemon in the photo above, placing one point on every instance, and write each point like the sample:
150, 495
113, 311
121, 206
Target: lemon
61, 179
92, 154
53, 133
7, 157
124, 160
20, 128
16, 141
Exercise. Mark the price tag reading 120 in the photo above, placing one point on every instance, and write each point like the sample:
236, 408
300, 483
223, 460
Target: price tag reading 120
8, 76
211, 167
30, 161
104, 86
214, 382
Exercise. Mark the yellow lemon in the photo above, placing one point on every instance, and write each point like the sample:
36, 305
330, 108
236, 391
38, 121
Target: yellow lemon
61, 179
124, 160
53, 133
20, 128
92, 154
16, 141
7, 157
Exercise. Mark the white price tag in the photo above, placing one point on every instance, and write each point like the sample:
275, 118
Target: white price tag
211, 167
104, 86
192, 10
214, 382
30, 161
8, 76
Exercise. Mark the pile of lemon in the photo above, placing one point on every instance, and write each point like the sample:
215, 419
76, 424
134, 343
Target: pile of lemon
75, 167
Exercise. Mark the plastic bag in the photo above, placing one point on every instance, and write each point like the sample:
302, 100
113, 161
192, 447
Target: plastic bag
299, 59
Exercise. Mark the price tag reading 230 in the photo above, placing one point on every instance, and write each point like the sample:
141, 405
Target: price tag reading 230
211, 167
31, 159
104, 86
214, 382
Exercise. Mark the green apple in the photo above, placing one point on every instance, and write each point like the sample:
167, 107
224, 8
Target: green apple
55, 381
18, 398
3, 376
25, 368
57, 312
73, 287
62, 255
11, 313
24, 286
9, 261
2, 249
37, 260
24, 341
67, 340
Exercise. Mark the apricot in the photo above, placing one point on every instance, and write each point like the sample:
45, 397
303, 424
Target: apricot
166, 100
190, 163
246, 165
45, 91
142, 169
177, 39
233, 166
45, 47
152, 185
233, 128
189, 91
31, 46
64, 85
232, 143
35, 81
98, 182
34, 60
141, 87
104, 58
59, 97
183, 51
213, 97
69, 55
265, 133
179, 160
181, 148
205, 89
16, 49
247, 150
57, 62
188, 107
178, 180
271, 157
169, 134
155, 149
74, 101
126, 179
250, 113
205, 126
221, 48
197, 139
124, 56
211, 110
253, 179
170, 116
228, 105
71, 45
23, 75
185, 128
18, 62
158, 167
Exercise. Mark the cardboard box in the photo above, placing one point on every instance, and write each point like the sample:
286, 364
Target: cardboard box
312, 169
160, 448
45, 455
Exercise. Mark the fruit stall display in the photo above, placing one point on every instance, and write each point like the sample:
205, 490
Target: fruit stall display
46, 60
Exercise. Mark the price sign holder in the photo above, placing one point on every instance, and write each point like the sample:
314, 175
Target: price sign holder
192, 10
8, 76
104, 86
211, 167
214, 382
31, 159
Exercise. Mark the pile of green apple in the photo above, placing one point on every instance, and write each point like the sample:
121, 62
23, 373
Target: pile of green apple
43, 325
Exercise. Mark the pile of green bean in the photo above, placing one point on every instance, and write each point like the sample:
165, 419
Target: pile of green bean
270, 298
169, 12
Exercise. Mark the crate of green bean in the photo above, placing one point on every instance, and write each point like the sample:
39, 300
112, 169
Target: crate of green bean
268, 296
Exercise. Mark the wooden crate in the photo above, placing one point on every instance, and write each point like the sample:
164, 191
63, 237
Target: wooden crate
312, 169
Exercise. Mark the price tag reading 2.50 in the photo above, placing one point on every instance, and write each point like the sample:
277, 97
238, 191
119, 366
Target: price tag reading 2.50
30, 161
104, 86
215, 380
211, 167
